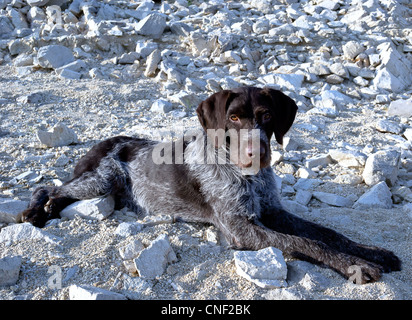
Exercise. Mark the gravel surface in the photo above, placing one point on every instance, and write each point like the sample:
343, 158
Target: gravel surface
111, 98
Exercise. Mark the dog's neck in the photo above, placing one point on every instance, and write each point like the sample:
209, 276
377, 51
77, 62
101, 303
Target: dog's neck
200, 152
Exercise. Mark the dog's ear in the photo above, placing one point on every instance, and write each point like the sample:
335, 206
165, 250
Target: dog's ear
284, 110
212, 111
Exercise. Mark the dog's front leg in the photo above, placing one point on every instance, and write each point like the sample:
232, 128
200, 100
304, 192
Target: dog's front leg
285, 222
246, 234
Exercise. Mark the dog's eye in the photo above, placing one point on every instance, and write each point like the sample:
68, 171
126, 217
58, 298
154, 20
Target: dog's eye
234, 118
266, 117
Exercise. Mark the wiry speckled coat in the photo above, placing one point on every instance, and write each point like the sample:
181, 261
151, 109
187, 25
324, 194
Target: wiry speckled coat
246, 208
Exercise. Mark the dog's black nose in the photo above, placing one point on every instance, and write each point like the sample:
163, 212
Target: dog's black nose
251, 152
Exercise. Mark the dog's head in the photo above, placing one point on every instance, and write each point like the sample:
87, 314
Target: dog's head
268, 110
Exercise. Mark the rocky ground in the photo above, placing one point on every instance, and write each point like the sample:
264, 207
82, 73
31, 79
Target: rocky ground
75, 72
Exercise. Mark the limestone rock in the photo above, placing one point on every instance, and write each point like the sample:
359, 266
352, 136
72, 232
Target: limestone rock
266, 267
9, 270
54, 56
152, 26
402, 108
86, 292
26, 231
333, 199
161, 106
93, 209
10, 209
61, 135
126, 229
153, 260
382, 166
379, 196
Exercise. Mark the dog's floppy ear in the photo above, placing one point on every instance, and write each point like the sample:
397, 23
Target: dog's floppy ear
212, 111
284, 110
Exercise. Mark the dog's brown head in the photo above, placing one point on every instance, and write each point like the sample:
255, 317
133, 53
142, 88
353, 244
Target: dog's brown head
268, 110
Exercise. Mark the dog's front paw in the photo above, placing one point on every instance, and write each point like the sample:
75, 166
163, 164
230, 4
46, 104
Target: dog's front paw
388, 260
35, 215
362, 272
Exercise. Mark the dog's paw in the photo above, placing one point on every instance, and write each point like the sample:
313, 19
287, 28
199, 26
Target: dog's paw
361, 272
35, 215
385, 258
388, 260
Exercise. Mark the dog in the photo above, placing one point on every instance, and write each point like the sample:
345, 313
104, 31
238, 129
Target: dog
195, 185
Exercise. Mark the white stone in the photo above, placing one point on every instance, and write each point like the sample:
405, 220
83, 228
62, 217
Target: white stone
361, 81
339, 69
329, 4
351, 49
26, 231
37, 3
388, 126
407, 208
314, 282
333, 199
325, 107
303, 197
387, 81
153, 260
187, 99
126, 229
152, 26
408, 134
9, 270
339, 99
289, 144
77, 66
142, 11
86, 292
379, 196
294, 206
54, 56
133, 288
307, 184
10, 209
128, 58
69, 74
144, 48
394, 71
18, 19
346, 178
319, 160
93, 209
266, 267
305, 173
60, 135
382, 166
287, 81
402, 108
152, 63
161, 106
348, 158
131, 250
6, 27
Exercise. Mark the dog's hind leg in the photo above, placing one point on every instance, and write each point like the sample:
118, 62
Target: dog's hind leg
47, 202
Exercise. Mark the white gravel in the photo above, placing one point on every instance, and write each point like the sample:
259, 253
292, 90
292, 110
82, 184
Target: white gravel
114, 99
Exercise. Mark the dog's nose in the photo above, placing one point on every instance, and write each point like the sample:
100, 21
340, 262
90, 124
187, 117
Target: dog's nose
252, 152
